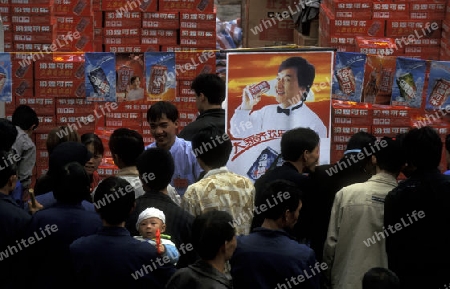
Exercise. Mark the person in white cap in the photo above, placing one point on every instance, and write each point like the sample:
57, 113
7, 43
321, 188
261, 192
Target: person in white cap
149, 222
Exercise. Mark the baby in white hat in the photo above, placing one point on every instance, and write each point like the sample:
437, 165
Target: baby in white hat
149, 221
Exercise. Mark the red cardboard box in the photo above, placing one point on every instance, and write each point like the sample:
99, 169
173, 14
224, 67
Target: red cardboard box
121, 32
60, 88
349, 6
122, 23
353, 14
32, 9
418, 29
131, 48
427, 15
74, 106
60, 70
428, 6
124, 6
200, 21
34, 37
389, 131
31, 47
73, 7
381, 46
115, 15
22, 69
75, 23
390, 10
10, 106
41, 140
46, 123
181, 5
121, 41
42, 158
44, 105
159, 37
33, 19
197, 38
29, 28
161, 20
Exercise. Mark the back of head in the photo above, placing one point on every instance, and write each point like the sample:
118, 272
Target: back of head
289, 193
59, 135
7, 170
389, 155
360, 140
210, 230
114, 200
127, 144
72, 183
213, 146
155, 112
25, 117
380, 278
423, 148
68, 152
305, 70
8, 134
93, 139
156, 168
296, 141
211, 85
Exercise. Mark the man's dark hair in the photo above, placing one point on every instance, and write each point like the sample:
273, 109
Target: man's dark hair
380, 278
423, 148
210, 230
213, 146
360, 140
211, 85
156, 168
133, 79
290, 193
155, 112
8, 134
25, 117
59, 135
72, 184
390, 156
114, 199
92, 138
7, 170
127, 144
296, 141
305, 70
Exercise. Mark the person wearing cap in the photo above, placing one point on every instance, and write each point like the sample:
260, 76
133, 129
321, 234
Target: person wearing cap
149, 222
62, 154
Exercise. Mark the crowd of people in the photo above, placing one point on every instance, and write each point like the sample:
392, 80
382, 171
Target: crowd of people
174, 216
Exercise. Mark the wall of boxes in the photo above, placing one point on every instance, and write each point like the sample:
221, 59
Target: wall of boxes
53, 83
401, 28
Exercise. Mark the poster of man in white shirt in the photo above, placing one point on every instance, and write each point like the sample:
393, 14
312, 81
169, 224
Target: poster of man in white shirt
269, 93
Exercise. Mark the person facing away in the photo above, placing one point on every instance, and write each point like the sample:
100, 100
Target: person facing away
294, 80
14, 222
356, 237
70, 220
163, 119
156, 167
269, 257
219, 189
95, 146
210, 92
300, 153
26, 121
327, 180
112, 255
150, 224
380, 278
417, 210
215, 241
61, 155
55, 137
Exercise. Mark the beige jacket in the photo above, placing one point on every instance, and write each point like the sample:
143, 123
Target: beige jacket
356, 242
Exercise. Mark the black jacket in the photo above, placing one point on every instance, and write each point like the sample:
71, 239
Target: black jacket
419, 247
209, 117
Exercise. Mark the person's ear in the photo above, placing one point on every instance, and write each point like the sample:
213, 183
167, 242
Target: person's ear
163, 228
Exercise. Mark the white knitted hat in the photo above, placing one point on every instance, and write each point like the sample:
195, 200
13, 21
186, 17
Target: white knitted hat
150, 213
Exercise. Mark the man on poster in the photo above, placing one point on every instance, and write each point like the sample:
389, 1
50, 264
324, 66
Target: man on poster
295, 78
260, 140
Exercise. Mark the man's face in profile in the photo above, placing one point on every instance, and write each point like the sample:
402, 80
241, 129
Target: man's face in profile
287, 89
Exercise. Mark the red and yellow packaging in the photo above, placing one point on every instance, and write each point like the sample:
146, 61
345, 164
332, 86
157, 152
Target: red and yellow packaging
183, 6
44, 105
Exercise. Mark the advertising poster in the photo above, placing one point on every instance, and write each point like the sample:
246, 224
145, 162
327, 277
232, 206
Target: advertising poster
438, 85
378, 79
130, 76
348, 76
160, 76
292, 90
5, 77
100, 76
407, 88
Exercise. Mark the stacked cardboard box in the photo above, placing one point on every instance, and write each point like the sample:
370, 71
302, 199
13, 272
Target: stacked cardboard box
5, 12
413, 26
445, 40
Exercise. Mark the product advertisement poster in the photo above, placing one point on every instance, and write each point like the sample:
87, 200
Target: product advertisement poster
100, 76
290, 90
160, 76
5, 77
130, 76
438, 85
348, 76
407, 88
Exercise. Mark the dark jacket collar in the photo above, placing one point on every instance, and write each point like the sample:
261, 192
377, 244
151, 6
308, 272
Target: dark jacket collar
217, 112
205, 269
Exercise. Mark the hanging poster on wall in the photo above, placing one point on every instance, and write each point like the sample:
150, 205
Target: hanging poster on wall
100, 76
160, 76
293, 90
130, 76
